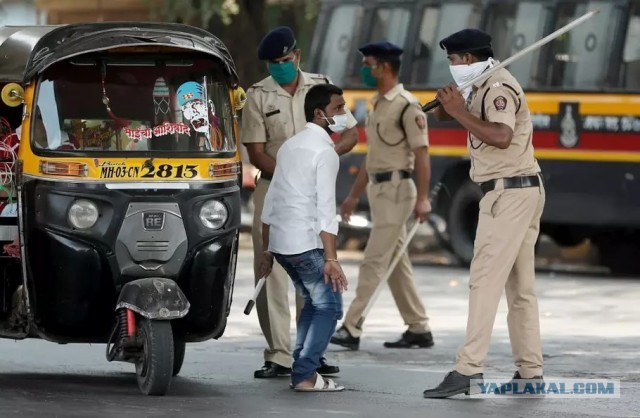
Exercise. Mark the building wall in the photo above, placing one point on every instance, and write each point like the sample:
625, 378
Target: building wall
76, 11
19, 13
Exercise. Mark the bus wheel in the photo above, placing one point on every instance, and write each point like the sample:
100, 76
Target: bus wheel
620, 255
567, 236
462, 220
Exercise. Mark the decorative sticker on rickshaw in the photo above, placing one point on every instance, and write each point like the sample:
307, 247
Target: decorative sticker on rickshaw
191, 97
121, 170
166, 128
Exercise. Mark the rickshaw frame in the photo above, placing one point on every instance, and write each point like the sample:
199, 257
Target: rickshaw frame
147, 306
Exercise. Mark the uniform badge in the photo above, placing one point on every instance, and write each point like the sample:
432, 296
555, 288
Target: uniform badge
500, 103
421, 122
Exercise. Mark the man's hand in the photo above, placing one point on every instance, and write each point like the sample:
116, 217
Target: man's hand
266, 264
451, 100
333, 273
422, 210
347, 208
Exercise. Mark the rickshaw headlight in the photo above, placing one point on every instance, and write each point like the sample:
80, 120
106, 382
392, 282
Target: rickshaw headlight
213, 214
83, 214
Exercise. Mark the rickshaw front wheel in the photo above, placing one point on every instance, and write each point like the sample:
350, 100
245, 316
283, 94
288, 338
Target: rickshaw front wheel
179, 347
154, 368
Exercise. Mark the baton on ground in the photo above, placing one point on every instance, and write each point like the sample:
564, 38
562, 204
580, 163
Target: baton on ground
435, 103
252, 301
388, 273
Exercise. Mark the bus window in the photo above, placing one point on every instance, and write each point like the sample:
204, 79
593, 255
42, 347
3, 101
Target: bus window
453, 17
424, 48
580, 58
631, 54
390, 24
338, 45
514, 27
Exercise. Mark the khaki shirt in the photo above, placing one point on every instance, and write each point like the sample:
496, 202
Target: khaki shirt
502, 105
395, 127
271, 115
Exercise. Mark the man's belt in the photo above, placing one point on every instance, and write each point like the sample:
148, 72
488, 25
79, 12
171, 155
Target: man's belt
511, 183
387, 175
266, 176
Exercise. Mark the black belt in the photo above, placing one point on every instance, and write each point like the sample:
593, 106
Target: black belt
266, 176
387, 175
511, 183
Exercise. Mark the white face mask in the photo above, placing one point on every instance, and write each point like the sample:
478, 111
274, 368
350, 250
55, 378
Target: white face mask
466, 72
339, 124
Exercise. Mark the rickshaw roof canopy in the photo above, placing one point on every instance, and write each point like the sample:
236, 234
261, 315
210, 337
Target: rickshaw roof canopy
26, 51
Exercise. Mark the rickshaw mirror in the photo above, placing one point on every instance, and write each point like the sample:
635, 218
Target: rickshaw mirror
12, 95
240, 98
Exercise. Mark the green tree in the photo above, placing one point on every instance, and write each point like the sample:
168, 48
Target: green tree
241, 24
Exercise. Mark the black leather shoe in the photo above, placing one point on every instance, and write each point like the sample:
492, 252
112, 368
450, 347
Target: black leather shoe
516, 376
326, 368
270, 370
343, 338
517, 384
453, 384
410, 340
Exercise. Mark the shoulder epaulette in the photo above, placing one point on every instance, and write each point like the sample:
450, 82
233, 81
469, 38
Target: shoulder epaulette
320, 77
409, 97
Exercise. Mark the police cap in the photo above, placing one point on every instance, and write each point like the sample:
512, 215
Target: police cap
277, 43
381, 49
466, 40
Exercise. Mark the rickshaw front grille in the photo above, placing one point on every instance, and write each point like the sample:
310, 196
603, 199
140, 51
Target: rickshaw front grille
152, 245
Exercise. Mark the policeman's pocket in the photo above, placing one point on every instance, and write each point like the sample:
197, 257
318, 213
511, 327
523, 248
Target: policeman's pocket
276, 126
392, 202
489, 204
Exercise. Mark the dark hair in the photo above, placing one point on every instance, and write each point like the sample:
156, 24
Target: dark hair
319, 97
393, 61
482, 54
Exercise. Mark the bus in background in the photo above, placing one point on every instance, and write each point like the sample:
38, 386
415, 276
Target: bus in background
583, 90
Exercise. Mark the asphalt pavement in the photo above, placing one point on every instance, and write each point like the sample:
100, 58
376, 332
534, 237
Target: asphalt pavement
589, 324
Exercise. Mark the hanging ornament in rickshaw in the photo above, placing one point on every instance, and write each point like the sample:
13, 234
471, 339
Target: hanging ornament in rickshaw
120, 123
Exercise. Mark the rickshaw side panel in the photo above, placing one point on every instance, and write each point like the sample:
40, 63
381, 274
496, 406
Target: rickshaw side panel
71, 290
208, 284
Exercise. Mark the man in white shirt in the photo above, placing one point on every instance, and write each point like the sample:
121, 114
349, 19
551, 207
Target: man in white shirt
299, 228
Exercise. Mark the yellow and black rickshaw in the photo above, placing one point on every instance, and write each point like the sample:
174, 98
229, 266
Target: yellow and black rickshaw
120, 183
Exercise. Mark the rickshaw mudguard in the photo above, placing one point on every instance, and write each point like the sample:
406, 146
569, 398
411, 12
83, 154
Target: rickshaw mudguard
154, 298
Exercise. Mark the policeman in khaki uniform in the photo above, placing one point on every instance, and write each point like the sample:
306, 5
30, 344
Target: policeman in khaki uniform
274, 112
397, 143
502, 163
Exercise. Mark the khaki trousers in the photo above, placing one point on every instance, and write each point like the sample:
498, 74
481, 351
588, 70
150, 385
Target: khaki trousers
508, 227
391, 205
272, 304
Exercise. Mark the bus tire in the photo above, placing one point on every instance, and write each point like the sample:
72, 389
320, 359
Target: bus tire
462, 220
620, 255
568, 236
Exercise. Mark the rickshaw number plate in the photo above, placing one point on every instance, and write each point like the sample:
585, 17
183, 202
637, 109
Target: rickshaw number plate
153, 221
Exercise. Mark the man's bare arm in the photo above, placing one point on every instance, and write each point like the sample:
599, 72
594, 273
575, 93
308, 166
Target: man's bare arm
259, 158
347, 141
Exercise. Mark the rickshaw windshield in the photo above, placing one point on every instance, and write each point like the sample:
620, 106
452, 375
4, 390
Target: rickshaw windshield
133, 105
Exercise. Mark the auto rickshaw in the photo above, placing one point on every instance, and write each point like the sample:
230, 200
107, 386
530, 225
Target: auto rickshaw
120, 183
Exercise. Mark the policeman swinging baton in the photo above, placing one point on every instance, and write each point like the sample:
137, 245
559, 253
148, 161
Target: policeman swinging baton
435, 103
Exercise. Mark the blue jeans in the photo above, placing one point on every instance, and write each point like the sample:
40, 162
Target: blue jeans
320, 314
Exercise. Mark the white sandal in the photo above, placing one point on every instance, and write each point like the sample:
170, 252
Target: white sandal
320, 386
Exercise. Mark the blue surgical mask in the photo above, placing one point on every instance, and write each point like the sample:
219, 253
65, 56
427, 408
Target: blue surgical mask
284, 72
